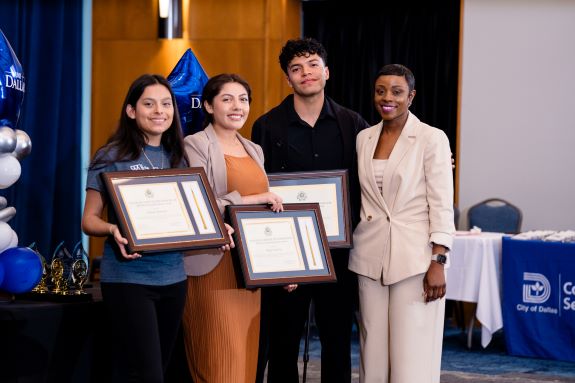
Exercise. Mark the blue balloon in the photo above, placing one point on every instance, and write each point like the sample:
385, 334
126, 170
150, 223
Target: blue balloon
1, 273
12, 84
187, 80
22, 270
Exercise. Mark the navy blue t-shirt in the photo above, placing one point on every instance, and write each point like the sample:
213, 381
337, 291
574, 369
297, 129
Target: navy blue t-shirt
158, 269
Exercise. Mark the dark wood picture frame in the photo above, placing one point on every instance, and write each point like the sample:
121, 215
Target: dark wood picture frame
280, 183
306, 251
199, 225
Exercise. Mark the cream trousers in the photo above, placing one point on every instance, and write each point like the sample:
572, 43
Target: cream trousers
401, 336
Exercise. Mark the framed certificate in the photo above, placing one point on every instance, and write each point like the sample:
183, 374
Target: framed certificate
328, 188
166, 209
281, 248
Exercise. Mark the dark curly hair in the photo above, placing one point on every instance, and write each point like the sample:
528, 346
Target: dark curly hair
301, 47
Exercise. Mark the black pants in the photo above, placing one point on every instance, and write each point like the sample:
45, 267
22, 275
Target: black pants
288, 312
144, 322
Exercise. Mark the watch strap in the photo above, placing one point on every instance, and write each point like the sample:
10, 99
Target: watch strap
439, 258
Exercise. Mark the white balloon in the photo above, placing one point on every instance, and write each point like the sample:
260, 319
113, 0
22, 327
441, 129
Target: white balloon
23, 145
7, 213
9, 170
7, 139
14, 241
6, 236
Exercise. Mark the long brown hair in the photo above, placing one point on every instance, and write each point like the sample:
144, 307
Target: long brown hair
128, 139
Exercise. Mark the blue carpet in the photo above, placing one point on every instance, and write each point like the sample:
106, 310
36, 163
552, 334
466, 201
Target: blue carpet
492, 360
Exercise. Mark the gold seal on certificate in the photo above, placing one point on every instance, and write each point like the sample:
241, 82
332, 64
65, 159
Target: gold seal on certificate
281, 248
329, 188
167, 209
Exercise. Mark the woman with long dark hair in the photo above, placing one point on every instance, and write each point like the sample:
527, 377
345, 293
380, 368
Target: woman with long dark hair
222, 318
143, 295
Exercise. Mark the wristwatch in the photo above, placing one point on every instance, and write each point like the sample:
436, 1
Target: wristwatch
439, 258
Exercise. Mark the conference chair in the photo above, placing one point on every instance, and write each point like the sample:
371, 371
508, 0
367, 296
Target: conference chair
495, 215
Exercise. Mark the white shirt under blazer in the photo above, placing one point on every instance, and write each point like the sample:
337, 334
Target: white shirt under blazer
414, 208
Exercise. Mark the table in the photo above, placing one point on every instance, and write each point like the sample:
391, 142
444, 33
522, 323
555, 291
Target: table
64, 342
50, 341
539, 298
474, 275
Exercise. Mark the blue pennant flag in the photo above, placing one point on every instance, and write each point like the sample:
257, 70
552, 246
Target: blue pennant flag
187, 80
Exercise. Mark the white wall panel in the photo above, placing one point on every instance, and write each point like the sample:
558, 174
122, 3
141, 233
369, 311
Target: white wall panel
517, 132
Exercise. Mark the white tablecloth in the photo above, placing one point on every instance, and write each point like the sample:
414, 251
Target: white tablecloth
474, 275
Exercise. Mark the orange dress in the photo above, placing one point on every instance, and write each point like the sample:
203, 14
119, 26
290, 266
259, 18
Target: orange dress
223, 318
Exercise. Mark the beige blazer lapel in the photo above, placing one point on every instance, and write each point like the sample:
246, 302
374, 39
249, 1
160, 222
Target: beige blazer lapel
368, 153
216, 156
403, 144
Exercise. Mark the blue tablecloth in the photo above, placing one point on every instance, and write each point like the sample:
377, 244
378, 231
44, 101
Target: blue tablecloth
539, 298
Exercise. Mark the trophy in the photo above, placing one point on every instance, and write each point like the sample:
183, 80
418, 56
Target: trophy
79, 269
60, 270
60, 286
42, 286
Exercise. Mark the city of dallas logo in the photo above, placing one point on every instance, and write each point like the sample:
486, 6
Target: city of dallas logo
536, 288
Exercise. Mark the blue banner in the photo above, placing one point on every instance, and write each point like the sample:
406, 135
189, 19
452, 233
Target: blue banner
539, 298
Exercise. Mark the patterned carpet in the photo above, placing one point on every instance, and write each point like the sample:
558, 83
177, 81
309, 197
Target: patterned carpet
462, 365
493, 364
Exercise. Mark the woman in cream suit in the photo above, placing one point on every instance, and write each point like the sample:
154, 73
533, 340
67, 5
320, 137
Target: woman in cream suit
403, 238
221, 319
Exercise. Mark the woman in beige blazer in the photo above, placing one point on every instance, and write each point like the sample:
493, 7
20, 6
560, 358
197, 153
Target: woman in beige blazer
403, 238
221, 319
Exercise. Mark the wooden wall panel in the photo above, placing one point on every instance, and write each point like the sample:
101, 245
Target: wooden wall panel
227, 20
242, 37
124, 20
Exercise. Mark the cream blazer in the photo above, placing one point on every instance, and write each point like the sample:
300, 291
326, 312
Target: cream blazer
203, 150
415, 208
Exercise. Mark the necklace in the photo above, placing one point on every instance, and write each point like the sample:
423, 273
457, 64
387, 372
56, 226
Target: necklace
150, 162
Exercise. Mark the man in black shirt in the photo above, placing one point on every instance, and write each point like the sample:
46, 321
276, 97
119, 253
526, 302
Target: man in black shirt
309, 131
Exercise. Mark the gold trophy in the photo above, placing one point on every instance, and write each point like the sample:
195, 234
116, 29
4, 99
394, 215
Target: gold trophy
60, 270
42, 286
60, 283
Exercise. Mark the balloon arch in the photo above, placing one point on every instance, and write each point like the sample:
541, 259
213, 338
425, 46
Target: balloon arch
20, 267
